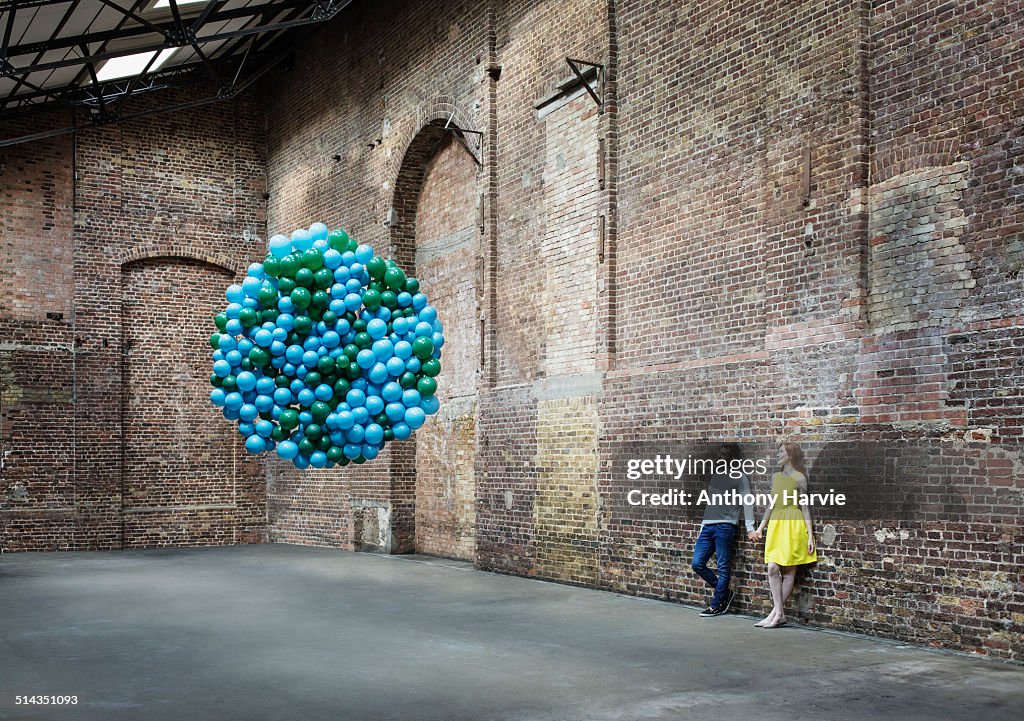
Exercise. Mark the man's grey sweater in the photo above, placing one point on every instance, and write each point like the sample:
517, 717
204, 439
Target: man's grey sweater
728, 513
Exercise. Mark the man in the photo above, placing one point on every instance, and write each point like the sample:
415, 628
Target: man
718, 530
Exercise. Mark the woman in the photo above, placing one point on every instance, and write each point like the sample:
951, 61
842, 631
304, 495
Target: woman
790, 540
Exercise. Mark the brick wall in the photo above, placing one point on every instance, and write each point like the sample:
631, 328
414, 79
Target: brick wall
808, 232
778, 183
117, 247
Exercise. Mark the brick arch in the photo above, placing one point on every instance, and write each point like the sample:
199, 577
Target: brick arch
173, 251
406, 174
407, 170
932, 153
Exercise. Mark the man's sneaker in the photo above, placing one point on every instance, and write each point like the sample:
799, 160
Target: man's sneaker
728, 601
708, 612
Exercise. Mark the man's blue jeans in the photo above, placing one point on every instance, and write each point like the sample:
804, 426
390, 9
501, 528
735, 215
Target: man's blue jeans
716, 538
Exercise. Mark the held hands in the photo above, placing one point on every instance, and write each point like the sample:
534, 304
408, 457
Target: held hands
755, 535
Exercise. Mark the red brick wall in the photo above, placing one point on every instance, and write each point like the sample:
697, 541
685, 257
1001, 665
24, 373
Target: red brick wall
130, 235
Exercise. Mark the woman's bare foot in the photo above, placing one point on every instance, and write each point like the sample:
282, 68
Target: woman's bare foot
769, 619
779, 621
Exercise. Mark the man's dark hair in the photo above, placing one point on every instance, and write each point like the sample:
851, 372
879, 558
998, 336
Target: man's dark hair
731, 451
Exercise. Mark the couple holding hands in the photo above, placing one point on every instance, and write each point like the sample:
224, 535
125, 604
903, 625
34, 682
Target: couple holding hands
789, 541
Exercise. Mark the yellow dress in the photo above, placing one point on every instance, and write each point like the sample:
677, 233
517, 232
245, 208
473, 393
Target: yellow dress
786, 542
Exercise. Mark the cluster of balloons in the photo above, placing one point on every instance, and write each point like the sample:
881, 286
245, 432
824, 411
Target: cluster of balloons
325, 352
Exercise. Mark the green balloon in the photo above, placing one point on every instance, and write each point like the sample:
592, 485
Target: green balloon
278, 434
359, 326
248, 317
324, 365
290, 264
407, 379
395, 278
335, 454
342, 362
270, 314
359, 460
281, 381
320, 411
321, 300
389, 435
304, 277
289, 419
301, 298
303, 324
267, 296
312, 259
313, 432
221, 321
229, 383
286, 285
363, 340
351, 351
431, 367
215, 341
338, 239
312, 379
426, 386
330, 317
422, 347
389, 300
306, 446
259, 357
353, 372
376, 267
323, 278
271, 266
341, 387
324, 443
381, 419
412, 286
371, 299
246, 364
216, 381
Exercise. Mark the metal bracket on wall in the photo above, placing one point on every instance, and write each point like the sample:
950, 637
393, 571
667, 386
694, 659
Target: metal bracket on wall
575, 66
460, 135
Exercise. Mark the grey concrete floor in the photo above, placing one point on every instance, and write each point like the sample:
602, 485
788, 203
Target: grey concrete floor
284, 632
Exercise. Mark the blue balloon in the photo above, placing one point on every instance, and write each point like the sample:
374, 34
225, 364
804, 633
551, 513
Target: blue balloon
355, 434
391, 392
285, 305
264, 428
401, 431
318, 231
341, 275
365, 358
332, 259
410, 397
309, 358
332, 339
301, 239
355, 398
263, 403
403, 349
374, 434
248, 412
246, 381
323, 392
413, 365
353, 302
222, 369
287, 450
374, 404
306, 397
430, 405
318, 459
419, 301
428, 314
424, 329
351, 450
282, 396
234, 327
394, 411
277, 348
379, 373
301, 462
217, 396
234, 294
415, 417
377, 328
361, 415
370, 452
400, 326
305, 418
345, 420
265, 386
246, 429
404, 299
280, 245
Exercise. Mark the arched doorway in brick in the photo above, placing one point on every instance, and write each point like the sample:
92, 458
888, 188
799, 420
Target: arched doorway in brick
185, 476
434, 231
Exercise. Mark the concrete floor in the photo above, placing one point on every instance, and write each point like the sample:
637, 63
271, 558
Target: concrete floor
282, 632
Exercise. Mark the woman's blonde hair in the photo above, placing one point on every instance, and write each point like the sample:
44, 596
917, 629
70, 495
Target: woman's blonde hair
796, 456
